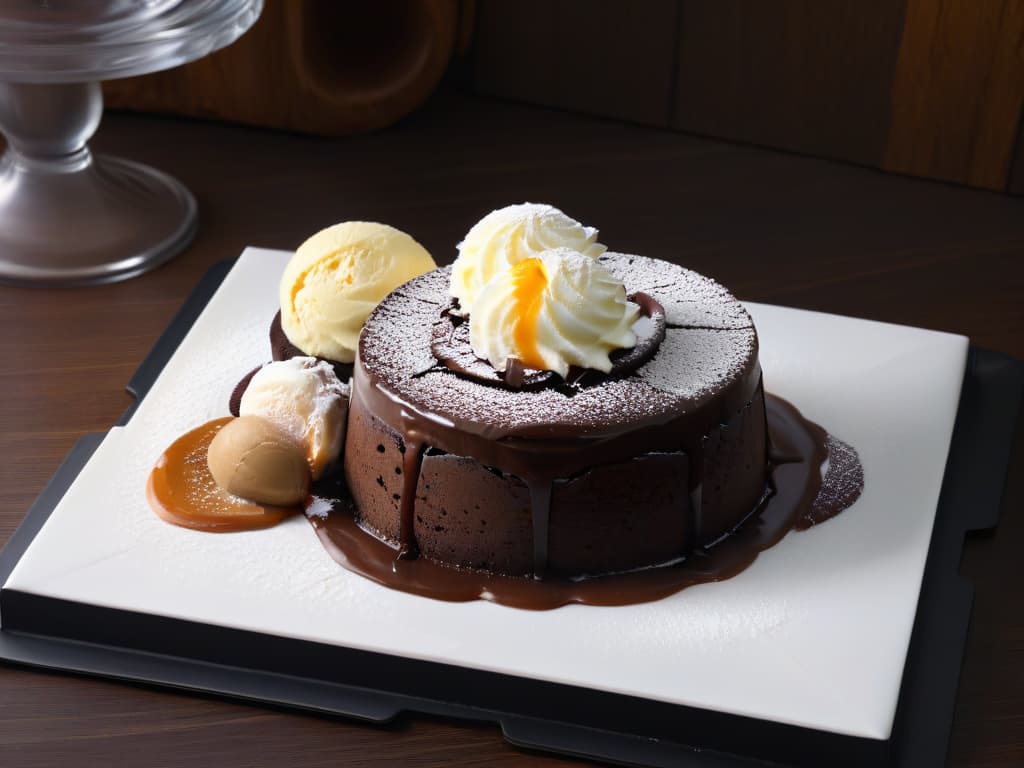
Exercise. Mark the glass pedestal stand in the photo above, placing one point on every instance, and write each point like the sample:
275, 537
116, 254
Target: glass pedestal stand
67, 216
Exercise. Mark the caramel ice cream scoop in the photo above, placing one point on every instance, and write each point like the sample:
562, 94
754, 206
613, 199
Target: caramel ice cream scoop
252, 458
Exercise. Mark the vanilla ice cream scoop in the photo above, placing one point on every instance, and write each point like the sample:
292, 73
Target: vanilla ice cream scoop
337, 277
507, 236
304, 398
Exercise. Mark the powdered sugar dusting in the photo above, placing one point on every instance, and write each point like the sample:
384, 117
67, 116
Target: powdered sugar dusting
521, 411
690, 299
840, 488
692, 363
690, 366
395, 340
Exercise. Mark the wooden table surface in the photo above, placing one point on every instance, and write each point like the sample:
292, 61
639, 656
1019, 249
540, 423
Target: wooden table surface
773, 227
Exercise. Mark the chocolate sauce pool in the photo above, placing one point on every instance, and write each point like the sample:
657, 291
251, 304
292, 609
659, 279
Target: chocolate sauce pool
709, 385
797, 497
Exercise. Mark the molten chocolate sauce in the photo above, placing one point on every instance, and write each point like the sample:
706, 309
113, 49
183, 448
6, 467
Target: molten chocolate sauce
797, 496
412, 461
541, 453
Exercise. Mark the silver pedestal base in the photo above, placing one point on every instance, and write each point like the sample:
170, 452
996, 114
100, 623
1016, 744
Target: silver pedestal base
65, 216
86, 219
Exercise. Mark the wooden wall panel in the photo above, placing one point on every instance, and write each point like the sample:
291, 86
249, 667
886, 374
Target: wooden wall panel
805, 75
1016, 184
320, 66
930, 88
599, 56
957, 93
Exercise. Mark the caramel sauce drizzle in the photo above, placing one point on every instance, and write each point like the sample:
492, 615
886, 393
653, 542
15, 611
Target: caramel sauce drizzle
182, 491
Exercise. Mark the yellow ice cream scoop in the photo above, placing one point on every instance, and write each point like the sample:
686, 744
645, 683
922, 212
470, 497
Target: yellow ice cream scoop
337, 277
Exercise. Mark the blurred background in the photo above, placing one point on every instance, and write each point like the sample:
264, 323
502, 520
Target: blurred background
928, 88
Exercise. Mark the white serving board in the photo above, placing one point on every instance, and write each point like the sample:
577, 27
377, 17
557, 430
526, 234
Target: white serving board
814, 633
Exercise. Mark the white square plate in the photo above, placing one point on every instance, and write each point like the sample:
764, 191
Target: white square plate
814, 633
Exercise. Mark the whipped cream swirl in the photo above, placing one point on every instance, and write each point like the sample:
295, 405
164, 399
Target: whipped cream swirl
551, 311
507, 236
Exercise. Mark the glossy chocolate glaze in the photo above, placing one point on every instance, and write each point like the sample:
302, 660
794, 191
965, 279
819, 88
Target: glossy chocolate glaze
615, 420
671, 397
793, 496
450, 345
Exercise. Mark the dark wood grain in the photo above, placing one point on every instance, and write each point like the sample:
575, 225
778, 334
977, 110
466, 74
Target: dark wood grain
809, 76
789, 230
319, 66
604, 57
1015, 185
957, 91
930, 88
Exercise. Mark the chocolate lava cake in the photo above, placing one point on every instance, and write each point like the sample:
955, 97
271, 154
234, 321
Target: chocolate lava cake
565, 479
